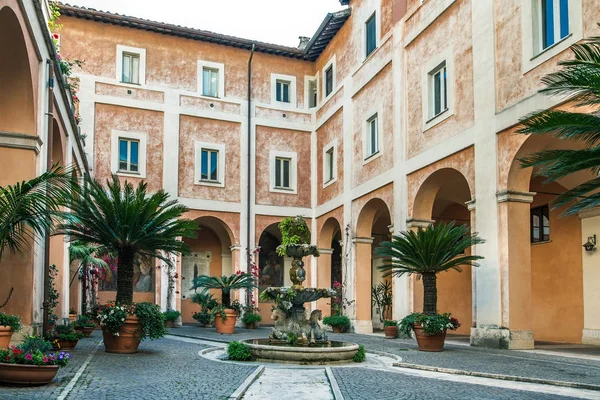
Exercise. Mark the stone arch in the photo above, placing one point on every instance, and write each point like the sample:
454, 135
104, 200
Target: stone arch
447, 183
329, 264
17, 78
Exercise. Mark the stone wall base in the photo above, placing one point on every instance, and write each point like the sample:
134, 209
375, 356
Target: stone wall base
363, 327
591, 336
501, 338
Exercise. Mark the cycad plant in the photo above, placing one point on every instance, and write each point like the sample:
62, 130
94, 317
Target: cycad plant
127, 222
87, 255
428, 252
578, 80
226, 284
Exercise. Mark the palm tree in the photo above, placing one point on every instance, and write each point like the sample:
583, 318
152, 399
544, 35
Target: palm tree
428, 252
129, 223
30, 208
87, 254
579, 80
226, 284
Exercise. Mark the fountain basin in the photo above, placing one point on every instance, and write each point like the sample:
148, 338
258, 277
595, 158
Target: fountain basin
301, 295
329, 352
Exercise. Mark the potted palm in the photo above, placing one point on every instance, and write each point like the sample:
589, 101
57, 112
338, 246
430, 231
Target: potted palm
170, 317
225, 314
426, 253
207, 302
28, 210
128, 222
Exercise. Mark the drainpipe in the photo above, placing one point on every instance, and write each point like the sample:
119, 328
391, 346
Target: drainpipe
49, 145
249, 176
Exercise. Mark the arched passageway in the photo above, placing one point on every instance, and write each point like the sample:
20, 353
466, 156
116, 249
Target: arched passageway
329, 264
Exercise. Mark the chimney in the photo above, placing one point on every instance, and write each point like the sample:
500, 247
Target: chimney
303, 42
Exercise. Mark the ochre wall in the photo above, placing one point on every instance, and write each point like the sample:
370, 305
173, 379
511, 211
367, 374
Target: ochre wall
332, 130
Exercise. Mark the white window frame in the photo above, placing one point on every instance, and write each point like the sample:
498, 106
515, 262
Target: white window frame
293, 98
443, 93
447, 57
131, 50
334, 147
377, 32
211, 65
330, 63
273, 155
136, 136
308, 79
368, 154
220, 148
532, 53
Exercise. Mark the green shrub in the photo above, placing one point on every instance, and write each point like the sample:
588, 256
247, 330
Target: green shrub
152, 320
337, 320
34, 343
360, 355
83, 321
250, 318
14, 321
204, 317
66, 332
171, 315
390, 322
238, 351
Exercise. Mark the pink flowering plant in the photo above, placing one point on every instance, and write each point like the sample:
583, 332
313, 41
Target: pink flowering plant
33, 351
338, 302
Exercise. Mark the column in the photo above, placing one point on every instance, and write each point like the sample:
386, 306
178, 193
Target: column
324, 279
363, 252
471, 207
590, 231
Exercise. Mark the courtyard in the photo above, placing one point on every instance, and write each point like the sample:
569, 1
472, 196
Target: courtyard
181, 366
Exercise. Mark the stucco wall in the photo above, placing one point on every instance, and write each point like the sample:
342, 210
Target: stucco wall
332, 130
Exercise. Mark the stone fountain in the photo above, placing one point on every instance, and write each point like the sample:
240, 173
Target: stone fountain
297, 337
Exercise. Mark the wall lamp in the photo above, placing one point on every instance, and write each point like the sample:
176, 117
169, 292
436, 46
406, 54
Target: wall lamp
590, 244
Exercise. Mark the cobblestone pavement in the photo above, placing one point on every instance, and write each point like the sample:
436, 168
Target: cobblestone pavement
364, 384
504, 362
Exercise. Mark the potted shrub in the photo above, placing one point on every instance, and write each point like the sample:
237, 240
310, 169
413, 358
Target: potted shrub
8, 325
339, 323
225, 314
170, 317
31, 363
128, 222
65, 337
250, 316
72, 315
207, 302
426, 253
125, 326
85, 325
390, 328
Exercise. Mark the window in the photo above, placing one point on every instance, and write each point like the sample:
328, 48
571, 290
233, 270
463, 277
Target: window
210, 82
282, 91
129, 155
540, 224
282, 173
372, 137
438, 90
131, 68
209, 165
312, 93
552, 22
329, 167
371, 34
328, 80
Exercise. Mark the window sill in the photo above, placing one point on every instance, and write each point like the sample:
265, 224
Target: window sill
211, 183
372, 157
283, 190
371, 54
542, 242
551, 47
130, 174
444, 115
329, 182
130, 83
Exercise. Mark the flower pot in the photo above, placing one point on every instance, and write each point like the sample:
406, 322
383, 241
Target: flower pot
87, 331
72, 317
59, 344
428, 342
169, 324
127, 341
27, 374
391, 332
251, 325
337, 329
228, 325
5, 335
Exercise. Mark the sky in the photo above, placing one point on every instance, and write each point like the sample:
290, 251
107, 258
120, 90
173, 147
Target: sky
272, 21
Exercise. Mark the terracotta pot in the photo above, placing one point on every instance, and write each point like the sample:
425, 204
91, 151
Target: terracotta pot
58, 344
27, 374
251, 325
228, 326
87, 331
427, 342
5, 335
391, 332
72, 317
337, 329
169, 324
128, 340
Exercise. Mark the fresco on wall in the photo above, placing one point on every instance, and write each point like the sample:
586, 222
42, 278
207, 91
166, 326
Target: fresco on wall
269, 263
193, 265
143, 275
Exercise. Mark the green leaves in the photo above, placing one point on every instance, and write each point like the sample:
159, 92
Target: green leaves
432, 250
226, 283
30, 208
